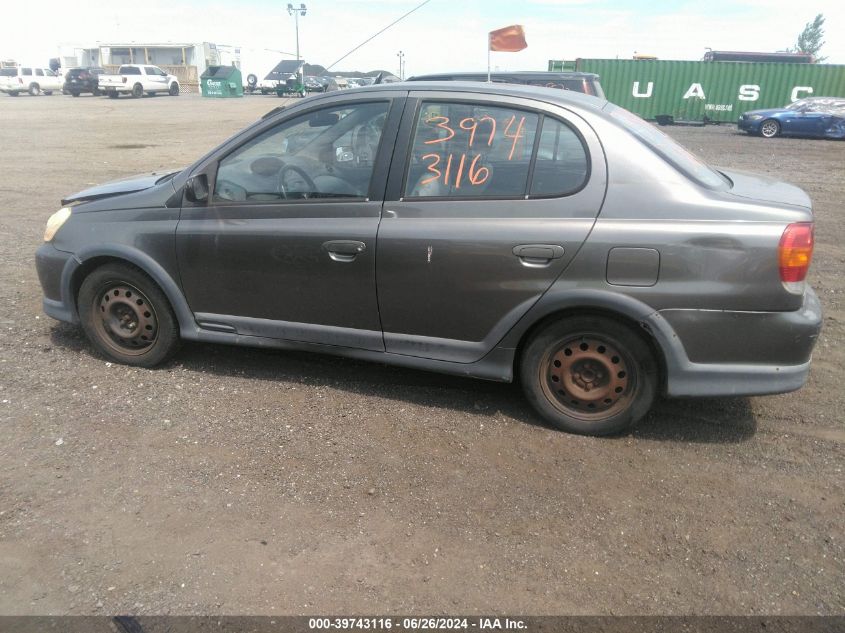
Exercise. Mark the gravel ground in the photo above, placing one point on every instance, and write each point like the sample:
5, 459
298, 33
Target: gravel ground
237, 481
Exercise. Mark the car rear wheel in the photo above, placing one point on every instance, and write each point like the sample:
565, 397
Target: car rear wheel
96, 92
74, 93
174, 90
589, 375
113, 94
34, 89
127, 317
769, 128
137, 91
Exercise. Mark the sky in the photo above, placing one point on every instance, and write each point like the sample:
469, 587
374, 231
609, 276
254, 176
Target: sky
443, 35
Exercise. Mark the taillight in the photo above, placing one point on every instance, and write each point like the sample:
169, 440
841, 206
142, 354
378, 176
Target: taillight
795, 252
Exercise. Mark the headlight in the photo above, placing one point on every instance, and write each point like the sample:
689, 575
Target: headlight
755, 117
55, 223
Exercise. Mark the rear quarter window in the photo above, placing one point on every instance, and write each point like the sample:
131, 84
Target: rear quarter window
129, 70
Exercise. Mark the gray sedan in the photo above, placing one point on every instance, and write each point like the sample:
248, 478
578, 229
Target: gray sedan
491, 231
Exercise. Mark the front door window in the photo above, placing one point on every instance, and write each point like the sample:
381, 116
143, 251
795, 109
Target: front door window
326, 154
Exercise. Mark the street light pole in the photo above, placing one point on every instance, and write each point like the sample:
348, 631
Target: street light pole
296, 12
401, 57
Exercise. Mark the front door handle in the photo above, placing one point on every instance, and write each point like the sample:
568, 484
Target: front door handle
344, 250
537, 255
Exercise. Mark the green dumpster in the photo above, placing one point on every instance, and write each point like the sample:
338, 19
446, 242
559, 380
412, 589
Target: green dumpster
221, 81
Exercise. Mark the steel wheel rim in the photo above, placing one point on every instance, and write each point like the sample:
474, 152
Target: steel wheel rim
769, 129
587, 377
125, 319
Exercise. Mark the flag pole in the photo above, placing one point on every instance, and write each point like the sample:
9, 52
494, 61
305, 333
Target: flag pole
488, 57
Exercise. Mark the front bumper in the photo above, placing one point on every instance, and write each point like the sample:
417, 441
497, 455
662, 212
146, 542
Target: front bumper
55, 271
725, 353
748, 125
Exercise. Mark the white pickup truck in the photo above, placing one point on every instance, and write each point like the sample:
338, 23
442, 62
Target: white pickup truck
136, 79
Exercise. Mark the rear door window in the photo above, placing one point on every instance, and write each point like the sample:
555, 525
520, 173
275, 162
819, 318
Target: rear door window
465, 150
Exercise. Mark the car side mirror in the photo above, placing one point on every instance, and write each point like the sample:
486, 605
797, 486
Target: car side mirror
196, 189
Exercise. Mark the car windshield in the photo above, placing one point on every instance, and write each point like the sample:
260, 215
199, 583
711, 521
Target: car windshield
681, 158
801, 104
8, 72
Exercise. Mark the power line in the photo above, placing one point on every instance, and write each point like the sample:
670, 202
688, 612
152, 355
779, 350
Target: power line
419, 6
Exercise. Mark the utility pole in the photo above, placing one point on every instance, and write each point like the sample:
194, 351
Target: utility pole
401, 57
296, 12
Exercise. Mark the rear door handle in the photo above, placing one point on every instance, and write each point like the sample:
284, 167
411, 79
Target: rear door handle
538, 255
344, 250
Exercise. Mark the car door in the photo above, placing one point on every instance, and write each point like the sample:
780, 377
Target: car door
285, 246
156, 78
489, 204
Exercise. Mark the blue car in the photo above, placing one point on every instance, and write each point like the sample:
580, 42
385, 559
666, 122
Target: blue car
820, 117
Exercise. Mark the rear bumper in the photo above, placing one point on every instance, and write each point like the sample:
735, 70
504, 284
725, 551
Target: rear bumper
723, 353
80, 86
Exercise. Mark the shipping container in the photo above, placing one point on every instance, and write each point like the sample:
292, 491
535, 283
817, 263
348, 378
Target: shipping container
669, 90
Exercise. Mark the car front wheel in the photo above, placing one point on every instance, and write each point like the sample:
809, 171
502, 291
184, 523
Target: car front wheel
174, 90
769, 128
137, 91
589, 375
127, 317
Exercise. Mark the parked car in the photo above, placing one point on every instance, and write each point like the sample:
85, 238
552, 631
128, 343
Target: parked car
83, 79
137, 79
33, 80
588, 83
520, 231
820, 117
314, 84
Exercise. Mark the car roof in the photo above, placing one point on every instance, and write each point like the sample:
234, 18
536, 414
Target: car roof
554, 96
525, 74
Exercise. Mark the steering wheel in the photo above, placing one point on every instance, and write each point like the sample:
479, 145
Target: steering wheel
283, 184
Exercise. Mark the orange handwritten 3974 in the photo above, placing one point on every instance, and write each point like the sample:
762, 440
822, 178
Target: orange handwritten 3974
472, 126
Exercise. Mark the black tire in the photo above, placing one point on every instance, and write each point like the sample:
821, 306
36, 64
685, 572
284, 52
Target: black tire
137, 91
96, 92
174, 90
589, 375
34, 89
74, 93
48, 92
113, 94
13, 93
769, 128
127, 317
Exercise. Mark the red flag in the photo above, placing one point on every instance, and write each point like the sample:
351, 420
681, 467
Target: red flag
510, 39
